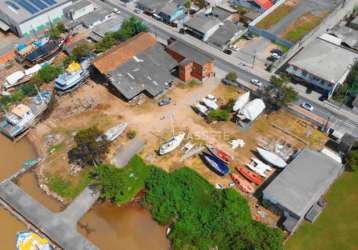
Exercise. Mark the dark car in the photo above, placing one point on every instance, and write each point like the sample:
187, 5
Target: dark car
277, 51
165, 101
227, 51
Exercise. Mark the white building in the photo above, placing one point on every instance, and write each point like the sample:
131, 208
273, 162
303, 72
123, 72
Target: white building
25, 17
323, 65
78, 9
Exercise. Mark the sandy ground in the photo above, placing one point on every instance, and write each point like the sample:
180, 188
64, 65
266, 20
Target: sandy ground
93, 104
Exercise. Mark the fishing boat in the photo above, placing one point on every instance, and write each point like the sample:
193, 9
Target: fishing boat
259, 167
221, 154
28, 240
20, 77
22, 117
172, 144
216, 164
44, 52
30, 163
114, 132
251, 176
73, 77
242, 184
272, 158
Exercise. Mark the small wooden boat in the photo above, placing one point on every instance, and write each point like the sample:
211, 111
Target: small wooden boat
242, 184
251, 176
221, 154
216, 164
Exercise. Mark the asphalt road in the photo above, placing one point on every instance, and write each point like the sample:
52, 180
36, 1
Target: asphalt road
226, 63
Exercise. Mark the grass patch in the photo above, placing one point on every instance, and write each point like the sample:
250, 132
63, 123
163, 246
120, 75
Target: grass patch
273, 18
121, 184
66, 188
302, 26
56, 148
337, 226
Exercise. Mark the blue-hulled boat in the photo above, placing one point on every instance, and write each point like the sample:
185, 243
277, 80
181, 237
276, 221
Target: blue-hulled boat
216, 164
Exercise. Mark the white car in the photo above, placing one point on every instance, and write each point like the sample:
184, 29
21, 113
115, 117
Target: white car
211, 98
256, 82
275, 55
307, 106
234, 47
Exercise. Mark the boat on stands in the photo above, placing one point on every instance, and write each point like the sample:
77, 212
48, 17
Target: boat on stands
221, 154
20, 77
73, 77
241, 102
251, 176
44, 52
216, 164
242, 184
171, 144
210, 104
259, 167
28, 240
22, 117
114, 132
272, 158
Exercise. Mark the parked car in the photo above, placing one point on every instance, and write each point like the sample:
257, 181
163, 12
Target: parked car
138, 11
275, 55
165, 101
234, 47
277, 51
271, 59
227, 51
256, 82
307, 106
211, 98
219, 186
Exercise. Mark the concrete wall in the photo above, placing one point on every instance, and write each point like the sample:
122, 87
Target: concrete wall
274, 38
42, 21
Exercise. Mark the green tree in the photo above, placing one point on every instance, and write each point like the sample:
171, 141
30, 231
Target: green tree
187, 5
229, 105
48, 73
106, 43
91, 147
82, 50
131, 134
279, 94
218, 115
133, 26
232, 76
56, 30
352, 160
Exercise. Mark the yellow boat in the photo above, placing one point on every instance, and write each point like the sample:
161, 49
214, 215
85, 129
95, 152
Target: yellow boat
28, 240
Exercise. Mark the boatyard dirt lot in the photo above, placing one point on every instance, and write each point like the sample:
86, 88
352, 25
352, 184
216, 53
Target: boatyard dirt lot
93, 104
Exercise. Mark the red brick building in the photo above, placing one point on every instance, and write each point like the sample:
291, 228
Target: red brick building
192, 63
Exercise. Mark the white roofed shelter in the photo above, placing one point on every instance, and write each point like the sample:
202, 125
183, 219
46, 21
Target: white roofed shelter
252, 110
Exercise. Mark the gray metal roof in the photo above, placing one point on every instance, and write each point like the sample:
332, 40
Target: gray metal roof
221, 13
303, 182
348, 35
224, 34
93, 17
202, 22
169, 8
325, 60
110, 25
11, 9
148, 71
152, 4
190, 53
77, 6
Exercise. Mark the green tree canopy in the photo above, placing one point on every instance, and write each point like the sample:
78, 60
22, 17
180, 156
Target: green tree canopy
218, 115
352, 160
91, 148
48, 73
232, 76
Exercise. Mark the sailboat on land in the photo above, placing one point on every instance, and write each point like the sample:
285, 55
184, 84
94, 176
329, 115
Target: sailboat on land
172, 143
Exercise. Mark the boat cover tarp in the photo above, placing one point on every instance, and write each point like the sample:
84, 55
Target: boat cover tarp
15, 77
253, 109
241, 101
33, 70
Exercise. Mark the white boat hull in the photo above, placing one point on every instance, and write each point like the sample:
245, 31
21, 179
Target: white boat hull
272, 158
172, 144
113, 133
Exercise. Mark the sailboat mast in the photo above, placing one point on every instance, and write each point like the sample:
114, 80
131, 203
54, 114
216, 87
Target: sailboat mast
38, 92
172, 123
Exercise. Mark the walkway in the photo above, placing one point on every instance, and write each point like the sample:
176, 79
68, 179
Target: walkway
123, 156
59, 228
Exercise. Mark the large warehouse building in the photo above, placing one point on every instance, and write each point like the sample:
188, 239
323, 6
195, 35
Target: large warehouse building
296, 192
25, 17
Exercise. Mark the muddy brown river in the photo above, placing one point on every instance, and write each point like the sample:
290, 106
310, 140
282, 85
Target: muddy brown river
109, 227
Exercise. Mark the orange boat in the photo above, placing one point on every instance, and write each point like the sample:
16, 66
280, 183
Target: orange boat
251, 176
243, 184
221, 154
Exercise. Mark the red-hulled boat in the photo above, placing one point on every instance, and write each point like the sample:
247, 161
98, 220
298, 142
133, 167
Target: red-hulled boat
251, 176
242, 184
221, 154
